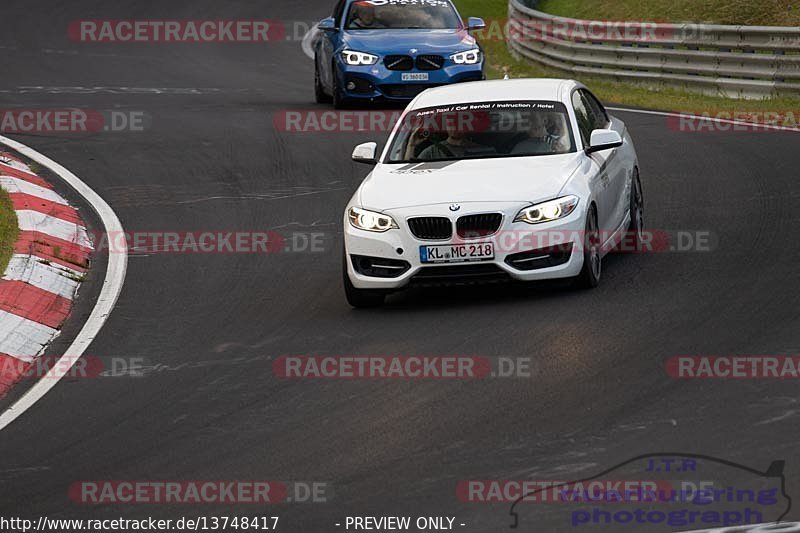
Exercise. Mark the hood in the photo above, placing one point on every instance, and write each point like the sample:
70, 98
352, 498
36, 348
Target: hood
516, 179
385, 42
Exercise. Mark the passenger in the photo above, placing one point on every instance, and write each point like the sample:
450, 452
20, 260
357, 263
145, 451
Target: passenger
546, 135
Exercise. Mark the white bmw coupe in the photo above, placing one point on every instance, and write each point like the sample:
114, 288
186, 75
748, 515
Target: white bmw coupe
488, 181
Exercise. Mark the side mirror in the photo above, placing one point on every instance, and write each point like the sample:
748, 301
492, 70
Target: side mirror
328, 24
475, 23
603, 140
366, 153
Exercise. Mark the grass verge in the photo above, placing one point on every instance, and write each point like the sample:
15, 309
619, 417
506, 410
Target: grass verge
747, 12
8, 230
500, 60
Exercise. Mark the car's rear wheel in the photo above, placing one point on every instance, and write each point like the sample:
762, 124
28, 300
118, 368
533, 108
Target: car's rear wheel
636, 228
589, 277
360, 298
319, 91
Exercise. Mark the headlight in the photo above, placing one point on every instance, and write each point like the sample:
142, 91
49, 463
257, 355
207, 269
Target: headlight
470, 57
548, 211
370, 220
358, 58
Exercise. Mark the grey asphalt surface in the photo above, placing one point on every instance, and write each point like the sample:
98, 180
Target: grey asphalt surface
210, 325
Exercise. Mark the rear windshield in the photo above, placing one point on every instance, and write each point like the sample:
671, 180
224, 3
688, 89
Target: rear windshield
402, 14
482, 130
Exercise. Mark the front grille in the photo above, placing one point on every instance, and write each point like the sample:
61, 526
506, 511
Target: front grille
541, 258
431, 228
430, 62
399, 62
379, 267
476, 226
459, 275
405, 90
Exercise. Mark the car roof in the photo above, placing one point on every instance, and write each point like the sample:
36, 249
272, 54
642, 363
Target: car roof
547, 89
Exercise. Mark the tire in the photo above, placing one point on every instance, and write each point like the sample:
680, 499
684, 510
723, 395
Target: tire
319, 91
636, 228
592, 269
338, 100
360, 298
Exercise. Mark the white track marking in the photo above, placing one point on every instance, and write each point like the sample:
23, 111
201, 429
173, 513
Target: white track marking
112, 286
749, 125
308, 38
12, 184
13, 163
51, 278
785, 527
23, 339
56, 227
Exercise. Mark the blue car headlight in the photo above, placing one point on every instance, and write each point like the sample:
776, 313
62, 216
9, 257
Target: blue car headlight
351, 57
469, 57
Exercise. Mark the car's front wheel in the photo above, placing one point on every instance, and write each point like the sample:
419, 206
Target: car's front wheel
339, 101
360, 298
319, 91
589, 277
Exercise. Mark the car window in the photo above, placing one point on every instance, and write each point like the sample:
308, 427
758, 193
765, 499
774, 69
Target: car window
584, 116
482, 130
338, 12
598, 111
429, 15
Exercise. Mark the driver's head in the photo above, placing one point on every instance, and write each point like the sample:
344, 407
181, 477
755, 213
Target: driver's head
454, 131
366, 13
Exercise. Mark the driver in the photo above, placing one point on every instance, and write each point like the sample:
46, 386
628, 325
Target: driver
455, 146
364, 18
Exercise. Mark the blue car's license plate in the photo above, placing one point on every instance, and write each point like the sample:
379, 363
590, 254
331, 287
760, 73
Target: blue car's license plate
415, 76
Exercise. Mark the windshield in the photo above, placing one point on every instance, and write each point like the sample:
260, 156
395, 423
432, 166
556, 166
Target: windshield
482, 130
402, 14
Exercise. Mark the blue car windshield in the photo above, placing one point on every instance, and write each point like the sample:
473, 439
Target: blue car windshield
482, 130
402, 14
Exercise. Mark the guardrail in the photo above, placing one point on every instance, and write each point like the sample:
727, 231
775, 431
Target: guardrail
731, 61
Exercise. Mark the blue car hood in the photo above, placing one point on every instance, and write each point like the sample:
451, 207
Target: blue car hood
384, 42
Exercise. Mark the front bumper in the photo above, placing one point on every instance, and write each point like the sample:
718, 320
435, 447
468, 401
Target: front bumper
522, 252
377, 83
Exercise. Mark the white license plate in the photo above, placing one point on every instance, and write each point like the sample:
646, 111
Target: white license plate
415, 76
456, 253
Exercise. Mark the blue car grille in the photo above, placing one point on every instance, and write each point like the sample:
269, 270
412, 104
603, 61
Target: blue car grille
430, 62
399, 62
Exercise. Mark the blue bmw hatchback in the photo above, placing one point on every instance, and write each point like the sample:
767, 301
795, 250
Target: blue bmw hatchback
391, 50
